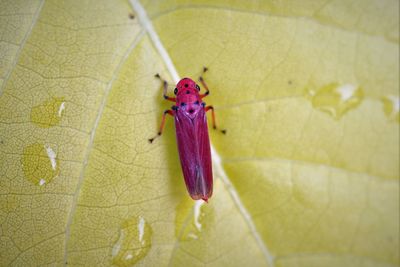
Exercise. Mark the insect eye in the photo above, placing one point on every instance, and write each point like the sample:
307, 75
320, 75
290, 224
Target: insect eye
176, 91
197, 87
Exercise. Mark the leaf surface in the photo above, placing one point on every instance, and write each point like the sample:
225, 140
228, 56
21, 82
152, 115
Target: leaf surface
308, 172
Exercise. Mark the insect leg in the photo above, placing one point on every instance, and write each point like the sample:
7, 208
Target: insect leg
204, 84
213, 118
165, 85
170, 112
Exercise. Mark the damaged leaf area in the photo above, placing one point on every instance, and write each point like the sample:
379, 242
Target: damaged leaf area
307, 175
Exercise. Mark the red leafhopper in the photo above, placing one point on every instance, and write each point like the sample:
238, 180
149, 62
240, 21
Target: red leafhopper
191, 129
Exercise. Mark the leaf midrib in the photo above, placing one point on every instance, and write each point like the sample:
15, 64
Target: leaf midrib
146, 23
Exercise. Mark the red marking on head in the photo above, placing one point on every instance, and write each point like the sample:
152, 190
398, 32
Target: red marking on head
188, 94
205, 199
187, 85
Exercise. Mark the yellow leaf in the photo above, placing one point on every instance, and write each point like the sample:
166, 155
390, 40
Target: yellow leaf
307, 175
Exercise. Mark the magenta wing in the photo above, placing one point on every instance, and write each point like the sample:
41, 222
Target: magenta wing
194, 153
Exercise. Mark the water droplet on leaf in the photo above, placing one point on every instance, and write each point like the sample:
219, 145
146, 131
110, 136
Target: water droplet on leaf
40, 164
391, 106
49, 113
336, 99
134, 242
189, 219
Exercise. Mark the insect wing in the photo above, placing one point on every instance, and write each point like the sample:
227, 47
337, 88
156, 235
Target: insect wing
195, 154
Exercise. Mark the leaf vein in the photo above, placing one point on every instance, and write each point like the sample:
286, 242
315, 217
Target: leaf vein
91, 141
28, 33
146, 23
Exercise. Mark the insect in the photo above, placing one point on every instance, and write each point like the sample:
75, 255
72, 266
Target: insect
191, 129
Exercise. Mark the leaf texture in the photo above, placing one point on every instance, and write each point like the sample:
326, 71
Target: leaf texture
308, 172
